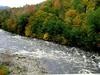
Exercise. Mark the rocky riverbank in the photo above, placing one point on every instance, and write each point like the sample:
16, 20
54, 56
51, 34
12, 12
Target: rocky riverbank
21, 64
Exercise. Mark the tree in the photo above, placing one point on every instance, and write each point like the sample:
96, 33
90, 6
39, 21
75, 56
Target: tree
53, 25
91, 5
4, 15
22, 22
97, 19
29, 9
11, 24
78, 5
37, 22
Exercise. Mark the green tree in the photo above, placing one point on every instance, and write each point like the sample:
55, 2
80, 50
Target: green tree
97, 19
78, 5
53, 25
22, 22
4, 15
37, 22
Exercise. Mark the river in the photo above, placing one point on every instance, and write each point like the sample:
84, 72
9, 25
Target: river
48, 57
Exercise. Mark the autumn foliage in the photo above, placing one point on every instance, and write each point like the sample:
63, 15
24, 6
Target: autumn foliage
68, 22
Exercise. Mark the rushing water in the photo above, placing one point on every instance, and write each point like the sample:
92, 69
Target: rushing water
54, 58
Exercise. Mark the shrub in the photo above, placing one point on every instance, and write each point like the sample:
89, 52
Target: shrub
28, 30
4, 70
46, 36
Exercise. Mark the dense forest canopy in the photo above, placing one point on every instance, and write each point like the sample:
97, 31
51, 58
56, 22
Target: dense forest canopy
68, 22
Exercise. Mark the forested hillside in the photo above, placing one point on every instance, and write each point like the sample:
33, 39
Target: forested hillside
68, 22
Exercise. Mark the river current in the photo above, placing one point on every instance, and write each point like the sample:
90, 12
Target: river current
54, 58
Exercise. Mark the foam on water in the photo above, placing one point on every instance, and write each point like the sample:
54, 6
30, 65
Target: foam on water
53, 57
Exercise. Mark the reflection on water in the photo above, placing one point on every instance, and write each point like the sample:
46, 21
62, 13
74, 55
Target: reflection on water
53, 58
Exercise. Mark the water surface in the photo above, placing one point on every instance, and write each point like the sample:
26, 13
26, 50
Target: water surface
53, 58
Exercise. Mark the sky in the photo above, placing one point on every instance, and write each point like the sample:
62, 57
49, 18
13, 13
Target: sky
18, 3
